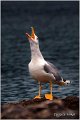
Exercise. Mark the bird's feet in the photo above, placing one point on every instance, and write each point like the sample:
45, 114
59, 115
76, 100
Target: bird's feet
49, 96
38, 96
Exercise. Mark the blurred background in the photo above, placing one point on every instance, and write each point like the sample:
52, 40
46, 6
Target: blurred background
57, 26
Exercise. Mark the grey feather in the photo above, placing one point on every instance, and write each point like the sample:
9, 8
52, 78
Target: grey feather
50, 68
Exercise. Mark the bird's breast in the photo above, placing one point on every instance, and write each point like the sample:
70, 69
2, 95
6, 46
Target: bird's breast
35, 67
37, 71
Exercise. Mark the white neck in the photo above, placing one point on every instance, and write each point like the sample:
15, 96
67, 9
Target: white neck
35, 51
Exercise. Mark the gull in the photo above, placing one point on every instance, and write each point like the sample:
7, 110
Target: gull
42, 70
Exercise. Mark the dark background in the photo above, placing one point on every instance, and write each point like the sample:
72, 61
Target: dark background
57, 26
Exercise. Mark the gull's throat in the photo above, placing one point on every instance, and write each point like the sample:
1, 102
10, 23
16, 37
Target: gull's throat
35, 51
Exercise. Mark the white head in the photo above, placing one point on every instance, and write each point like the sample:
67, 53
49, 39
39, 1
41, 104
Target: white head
32, 38
34, 44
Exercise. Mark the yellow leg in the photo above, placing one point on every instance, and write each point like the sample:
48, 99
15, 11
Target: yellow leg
39, 96
49, 96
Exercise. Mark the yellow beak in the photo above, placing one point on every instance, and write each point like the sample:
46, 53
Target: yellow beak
32, 36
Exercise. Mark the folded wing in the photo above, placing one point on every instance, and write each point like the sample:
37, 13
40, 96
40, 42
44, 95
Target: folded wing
50, 68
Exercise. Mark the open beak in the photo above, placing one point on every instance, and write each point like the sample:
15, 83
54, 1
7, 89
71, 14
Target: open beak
32, 36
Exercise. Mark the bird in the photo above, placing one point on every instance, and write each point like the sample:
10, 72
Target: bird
41, 70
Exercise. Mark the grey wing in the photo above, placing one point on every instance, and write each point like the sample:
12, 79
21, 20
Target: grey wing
50, 68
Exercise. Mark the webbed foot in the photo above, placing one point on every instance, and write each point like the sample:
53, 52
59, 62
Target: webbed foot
37, 97
49, 96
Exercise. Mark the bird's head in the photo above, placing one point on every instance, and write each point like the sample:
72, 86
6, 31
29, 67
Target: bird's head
34, 45
32, 38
